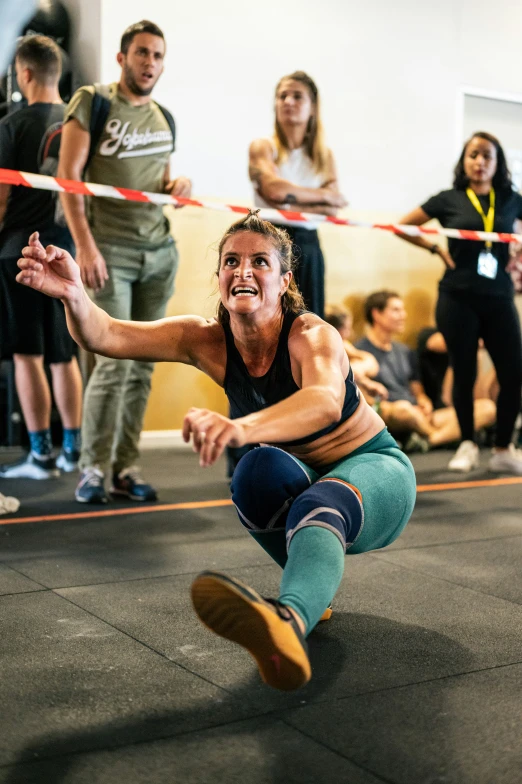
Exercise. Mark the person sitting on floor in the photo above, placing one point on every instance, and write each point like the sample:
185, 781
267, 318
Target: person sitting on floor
364, 365
408, 408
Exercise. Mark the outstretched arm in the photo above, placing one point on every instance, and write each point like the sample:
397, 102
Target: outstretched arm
54, 272
319, 361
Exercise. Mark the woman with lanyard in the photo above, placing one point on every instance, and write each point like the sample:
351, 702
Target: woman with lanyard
328, 480
295, 170
476, 298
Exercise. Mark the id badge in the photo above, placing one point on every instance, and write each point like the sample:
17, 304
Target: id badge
487, 265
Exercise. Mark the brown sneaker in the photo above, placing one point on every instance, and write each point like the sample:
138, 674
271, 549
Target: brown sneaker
264, 627
327, 614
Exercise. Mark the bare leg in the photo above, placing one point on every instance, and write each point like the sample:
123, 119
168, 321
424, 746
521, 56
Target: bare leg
485, 412
67, 388
33, 391
401, 415
447, 427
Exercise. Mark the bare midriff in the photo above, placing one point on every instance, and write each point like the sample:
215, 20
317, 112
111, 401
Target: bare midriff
362, 426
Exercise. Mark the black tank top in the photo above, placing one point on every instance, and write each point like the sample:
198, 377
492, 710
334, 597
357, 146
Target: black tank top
247, 394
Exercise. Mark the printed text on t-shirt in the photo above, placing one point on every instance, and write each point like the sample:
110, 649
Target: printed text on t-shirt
121, 137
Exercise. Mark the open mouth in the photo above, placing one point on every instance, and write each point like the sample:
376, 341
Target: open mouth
243, 291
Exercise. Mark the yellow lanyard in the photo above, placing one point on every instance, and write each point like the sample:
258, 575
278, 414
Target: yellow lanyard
488, 219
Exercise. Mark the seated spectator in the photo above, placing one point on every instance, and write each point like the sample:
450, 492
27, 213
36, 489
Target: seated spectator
364, 364
408, 408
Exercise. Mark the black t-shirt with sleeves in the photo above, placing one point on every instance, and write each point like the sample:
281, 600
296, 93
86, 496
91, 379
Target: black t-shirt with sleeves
30, 141
454, 210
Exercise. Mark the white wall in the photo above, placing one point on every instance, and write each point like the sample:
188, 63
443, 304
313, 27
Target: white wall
383, 85
86, 37
389, 77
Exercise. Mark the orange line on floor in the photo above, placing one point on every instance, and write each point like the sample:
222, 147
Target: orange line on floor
512, 480
114, 512
508, 480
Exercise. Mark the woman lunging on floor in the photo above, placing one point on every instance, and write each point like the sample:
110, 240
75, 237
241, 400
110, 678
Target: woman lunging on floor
327, 480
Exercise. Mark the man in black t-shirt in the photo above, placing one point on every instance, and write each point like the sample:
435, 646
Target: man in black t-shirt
32, 326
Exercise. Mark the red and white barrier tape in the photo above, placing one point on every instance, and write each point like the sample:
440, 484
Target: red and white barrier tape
288, 217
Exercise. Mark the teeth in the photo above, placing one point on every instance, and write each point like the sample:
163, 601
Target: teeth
244, 291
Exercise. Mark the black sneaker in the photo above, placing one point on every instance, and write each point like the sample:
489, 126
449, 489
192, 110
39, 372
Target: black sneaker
90, 489
67, 460
30, 466
265, 627
130, 484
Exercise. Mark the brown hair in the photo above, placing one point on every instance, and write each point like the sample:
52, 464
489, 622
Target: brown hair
42, 55
378, 301
292, 300
336, 316
145, 26
314, 142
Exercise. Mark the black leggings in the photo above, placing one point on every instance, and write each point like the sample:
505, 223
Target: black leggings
464, 318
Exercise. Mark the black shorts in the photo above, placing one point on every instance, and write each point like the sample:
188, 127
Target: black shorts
30, 322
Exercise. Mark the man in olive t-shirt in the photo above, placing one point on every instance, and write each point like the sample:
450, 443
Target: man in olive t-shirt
124, 249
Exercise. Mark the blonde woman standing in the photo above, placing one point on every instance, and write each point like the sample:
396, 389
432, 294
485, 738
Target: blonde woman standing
295, 170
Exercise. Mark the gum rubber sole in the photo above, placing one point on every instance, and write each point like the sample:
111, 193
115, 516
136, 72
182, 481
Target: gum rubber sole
235, 612
326, 615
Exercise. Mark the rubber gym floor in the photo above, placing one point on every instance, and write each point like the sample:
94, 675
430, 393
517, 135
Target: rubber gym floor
107, 675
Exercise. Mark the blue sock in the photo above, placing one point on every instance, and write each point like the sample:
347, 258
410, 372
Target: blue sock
41, 442
71, 439
312, 573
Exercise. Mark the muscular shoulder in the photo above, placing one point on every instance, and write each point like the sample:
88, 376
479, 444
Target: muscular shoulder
263, 147
309, 333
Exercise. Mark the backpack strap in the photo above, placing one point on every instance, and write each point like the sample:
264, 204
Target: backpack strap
100, 109
171, 123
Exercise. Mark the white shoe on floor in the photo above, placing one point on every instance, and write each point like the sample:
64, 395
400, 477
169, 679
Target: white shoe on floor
508, 461
466, 458
8, 504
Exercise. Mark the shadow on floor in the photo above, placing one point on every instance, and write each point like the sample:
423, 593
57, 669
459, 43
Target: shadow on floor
355, 655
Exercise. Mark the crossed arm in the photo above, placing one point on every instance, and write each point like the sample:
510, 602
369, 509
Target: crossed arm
277, 191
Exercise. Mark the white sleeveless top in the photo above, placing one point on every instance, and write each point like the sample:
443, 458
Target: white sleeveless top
299, 169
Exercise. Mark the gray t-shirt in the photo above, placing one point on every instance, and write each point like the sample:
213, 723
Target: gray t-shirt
396, 368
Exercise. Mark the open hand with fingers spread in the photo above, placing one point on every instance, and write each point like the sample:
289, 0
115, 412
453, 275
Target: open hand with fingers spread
211, 433
50, 270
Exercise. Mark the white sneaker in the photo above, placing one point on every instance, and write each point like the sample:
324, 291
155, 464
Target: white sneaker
8, 504
466, 458
30, 466
508, 461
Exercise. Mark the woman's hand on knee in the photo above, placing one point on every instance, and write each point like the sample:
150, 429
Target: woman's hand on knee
211, 433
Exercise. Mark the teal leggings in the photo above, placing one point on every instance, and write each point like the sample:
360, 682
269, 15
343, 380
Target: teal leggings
307, 521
